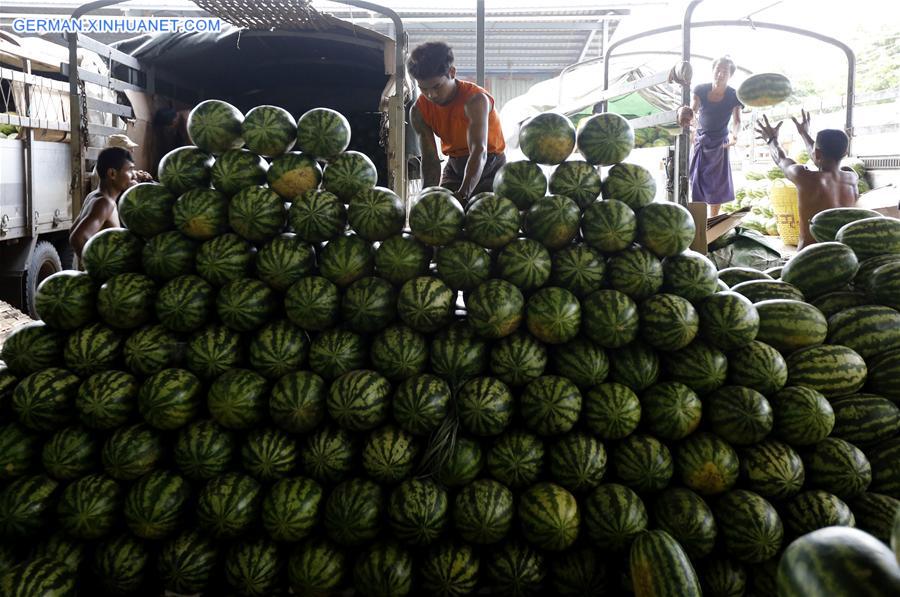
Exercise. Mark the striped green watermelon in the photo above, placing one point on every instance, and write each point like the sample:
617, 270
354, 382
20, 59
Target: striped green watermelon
516, 459
684, 515
553, 315
869, 330
420, 403
169, 399
383, 569
774, 272
65, 300
25, 505
215, 126
126, 300
284, 260
670, 410
484, 406
821, 268
833, 370
228, 505
835, 302
790, 325
425, 304
203, 450
317, 566
483, 512
884, 375
740, 415
668, 322
268, 454
550, 405
291, 508
31, 347
235, 170
764, 89
323, 133
875, 514
613, 516
185, 563
580, 572
463, 265
358, 400
643, 463
456, 353
815, 509
605, 138
518, 359
610, 318
462, 464
131, 452
346, 259
763, 290
297, 401
862, 282
376, 213
547, 138
825, 224
757, 366
436, 218
495, 309
401, 258
870, 237
256, 213
245, 304
885, 467
335, 352
293, 173
635, 365
864, 419
735, 275
515, 569
155, 503
579, 269
417, 511
18, 448
399, 352
491, 220
312, 303
111, 251
327, 454
146, 209
838, 467
168, 255
549, 516
69, 453
631, 184
523, 182
269, 130
224, 258
609, 226
636, 272
689, 275
576, 180
62, 548
524, 262
611, 410
213, 350
838, 561
728, 320
237, 399
92, 348
802, 416
577, 461
349, 173
389, 454
707, 464
699, 366
185, 168
584, 362
772, 469
253, 567
666, 229
43, 401
201, 214
658, 565
121, 564
884, 286
38, 576
88, 508
553, 221
449, 570
353, 512
278, 348
317, 216
754, 531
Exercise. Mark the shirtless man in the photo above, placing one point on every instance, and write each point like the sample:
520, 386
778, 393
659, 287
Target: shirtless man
99, 211
830, 187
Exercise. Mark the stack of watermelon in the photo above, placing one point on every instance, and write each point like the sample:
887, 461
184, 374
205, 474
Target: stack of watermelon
266, 384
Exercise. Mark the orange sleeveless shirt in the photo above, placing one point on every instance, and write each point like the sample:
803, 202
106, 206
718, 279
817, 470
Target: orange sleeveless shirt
451, 124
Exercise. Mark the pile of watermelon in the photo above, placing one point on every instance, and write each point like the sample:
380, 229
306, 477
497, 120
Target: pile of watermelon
274, 380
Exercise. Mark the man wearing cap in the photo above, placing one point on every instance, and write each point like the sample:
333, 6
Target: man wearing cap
125, 142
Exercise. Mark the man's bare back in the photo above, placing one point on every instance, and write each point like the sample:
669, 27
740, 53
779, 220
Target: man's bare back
818, 191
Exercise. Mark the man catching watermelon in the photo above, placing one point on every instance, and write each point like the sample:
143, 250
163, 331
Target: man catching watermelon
462, 114
830, 186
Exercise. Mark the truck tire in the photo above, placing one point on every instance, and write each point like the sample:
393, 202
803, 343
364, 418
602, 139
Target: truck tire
44, 262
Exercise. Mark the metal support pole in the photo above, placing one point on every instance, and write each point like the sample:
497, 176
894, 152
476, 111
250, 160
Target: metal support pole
479, 43
682, 142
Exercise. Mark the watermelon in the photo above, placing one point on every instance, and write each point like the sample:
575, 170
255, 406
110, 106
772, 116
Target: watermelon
291, 508
235, 170
336, 352
121, 564
577, 461
825, 224
684, 515
146, 209
436, 218
658, 565
884, 286
317, 216
185, 168
815, 509
668, 322
522, 182
185, 563
169, 399
225, 258
553, 315
576, 180
420, 403
757, 366
724, 577
417, 511
728, 320
579, 269
383, 570
268, 454
516, 459
323, 133
483, 512
884, 375
312, 303
327, 454
256, 213
764, 89
425, 304
666, 229
358, 400
689, 275
463, 265
484, 406
87, 508
582, 361
64, 301
297, 401
284, 260
401, 258
450, 569
885, 472
699, 366
549, 516
25, 505
269, 130
836, 561
643, 463
292, 174
495, 309
631, 184
399, 352
518, 359
168, 255
349, 173
369, 305
671, 410
389, 454
376, 213
215, 126
237, 399
462, 465
821, 268
833, 370
763, 290
69, 453
835, 302
130, 452
17, 450
126, 300
611, 410
735, 275
605, 138
245, 304
155, 503
614, 515
635, 365
526, 263
515, 569
868, 330
43, 401
772, 469
38, 576
491, 220
228, 505
610, 318
789, 325
553, 221
738, 414
636, 272
111, 251
92, 348
353, 512
838, 467
754, 531
870, 237
61, 548
346, 259
609, 226
547, 138
31, 347
580, 572
550, 405
862, 282
707, 464
253, 567
202, 450
316, 566
864, 419
875, 513
213, 350
802, 416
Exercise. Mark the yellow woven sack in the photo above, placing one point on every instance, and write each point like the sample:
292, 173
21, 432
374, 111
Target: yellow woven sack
783, 195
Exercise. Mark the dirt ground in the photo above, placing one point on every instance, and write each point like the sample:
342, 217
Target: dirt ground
10, 317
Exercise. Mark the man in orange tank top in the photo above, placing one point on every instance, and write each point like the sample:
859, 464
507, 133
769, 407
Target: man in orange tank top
462, 115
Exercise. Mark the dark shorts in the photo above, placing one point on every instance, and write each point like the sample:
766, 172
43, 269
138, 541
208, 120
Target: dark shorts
455, 171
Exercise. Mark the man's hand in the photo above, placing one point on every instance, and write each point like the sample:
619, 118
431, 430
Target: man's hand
767, 132
803, 124
142, 176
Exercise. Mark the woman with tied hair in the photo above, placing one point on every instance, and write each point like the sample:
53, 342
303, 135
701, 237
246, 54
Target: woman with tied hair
712, 106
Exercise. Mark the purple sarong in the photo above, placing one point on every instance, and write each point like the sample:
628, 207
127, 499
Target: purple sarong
710, 170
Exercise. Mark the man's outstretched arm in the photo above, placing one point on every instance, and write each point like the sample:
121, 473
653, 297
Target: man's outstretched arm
478, 109
431, 163
769, 134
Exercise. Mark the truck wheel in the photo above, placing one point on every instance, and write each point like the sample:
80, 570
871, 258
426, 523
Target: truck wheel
44, 262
